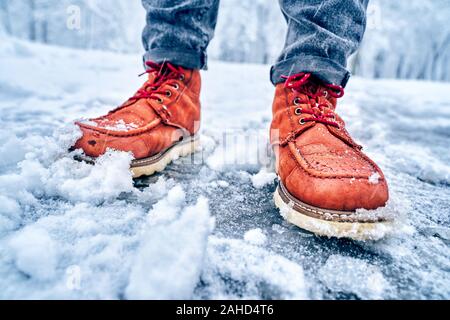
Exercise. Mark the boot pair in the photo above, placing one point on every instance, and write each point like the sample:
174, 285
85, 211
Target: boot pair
324, 177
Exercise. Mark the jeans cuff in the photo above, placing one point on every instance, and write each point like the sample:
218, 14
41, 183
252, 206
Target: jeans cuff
323, 68
187, 59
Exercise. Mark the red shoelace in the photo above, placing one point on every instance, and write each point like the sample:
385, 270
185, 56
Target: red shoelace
303, 83
165, 73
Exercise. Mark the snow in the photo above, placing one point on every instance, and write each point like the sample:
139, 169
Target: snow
420, 160
9, 214
167, 209
169, 260
34, 252
236, 270
223, 184
263, 178
119, 125
75, 231
255, 237
374, 178
354, 276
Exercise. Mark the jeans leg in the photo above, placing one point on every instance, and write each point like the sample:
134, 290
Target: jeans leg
179, 31
321, 35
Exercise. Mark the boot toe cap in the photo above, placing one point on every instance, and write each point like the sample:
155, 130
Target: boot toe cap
344, 194
93, 143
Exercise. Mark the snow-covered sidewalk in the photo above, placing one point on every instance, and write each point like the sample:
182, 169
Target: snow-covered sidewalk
206, 227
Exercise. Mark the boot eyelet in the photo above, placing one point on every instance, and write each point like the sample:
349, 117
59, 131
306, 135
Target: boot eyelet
160, 100
182, 77
168, 93
302, 121
297, 101
325, 93
176, 86
298, 111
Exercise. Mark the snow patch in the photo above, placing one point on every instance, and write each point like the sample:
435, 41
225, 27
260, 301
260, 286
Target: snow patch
119, 125
278, 229
169, 260
223, 184
255, 237
168, 208
392, 211
44, 170
231, 261
10, 214
419, 161
374, 178
156, 190
219, 184
34, 253
108, 178
263, 178
12, 150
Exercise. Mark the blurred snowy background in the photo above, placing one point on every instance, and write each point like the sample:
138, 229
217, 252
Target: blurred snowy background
405, 39
72, 230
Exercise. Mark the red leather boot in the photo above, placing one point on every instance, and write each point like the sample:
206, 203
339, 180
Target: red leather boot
157, 124
324, 175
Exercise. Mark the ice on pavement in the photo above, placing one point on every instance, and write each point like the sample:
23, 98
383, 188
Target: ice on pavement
353, 276
73, 230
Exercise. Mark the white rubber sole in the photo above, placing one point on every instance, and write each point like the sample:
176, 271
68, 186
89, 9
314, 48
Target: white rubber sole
353, 230
152, 165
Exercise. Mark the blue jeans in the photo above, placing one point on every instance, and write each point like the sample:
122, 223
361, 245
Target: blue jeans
321, 35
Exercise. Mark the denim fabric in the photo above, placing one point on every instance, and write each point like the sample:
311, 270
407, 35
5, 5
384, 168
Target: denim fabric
179, 31
321, 35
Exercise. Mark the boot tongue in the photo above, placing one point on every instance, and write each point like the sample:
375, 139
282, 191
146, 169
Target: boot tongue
316, 135
155, 80
158, 77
